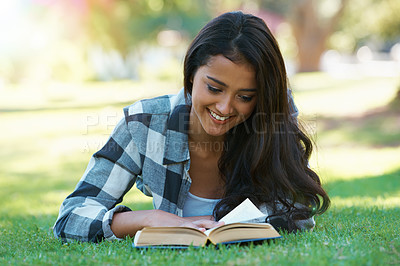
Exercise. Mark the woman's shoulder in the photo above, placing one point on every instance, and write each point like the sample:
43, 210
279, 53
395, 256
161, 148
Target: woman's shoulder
158, 105
153, 119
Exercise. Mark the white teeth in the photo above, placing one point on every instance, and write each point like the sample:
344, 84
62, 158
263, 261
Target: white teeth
220, 118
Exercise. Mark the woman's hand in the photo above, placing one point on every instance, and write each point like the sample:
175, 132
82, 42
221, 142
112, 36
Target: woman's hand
203, 225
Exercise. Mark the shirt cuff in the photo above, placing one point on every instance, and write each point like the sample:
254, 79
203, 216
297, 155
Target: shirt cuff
108, 233
307, 224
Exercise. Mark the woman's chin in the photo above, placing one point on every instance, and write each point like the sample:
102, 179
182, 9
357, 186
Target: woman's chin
217, 132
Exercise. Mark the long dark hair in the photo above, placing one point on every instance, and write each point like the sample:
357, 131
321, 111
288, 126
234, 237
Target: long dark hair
266, 157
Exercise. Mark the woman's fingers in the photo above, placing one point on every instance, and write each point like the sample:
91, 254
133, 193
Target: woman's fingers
202, 225
207, 224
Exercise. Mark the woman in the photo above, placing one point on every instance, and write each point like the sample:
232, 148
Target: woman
230, 134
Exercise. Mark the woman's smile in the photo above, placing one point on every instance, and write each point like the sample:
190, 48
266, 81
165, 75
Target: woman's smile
219, 119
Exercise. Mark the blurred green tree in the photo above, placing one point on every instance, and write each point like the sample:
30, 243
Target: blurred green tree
339, 24
379, 21
312, 23
64, 31
123, 25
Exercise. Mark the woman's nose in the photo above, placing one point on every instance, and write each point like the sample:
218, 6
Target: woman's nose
224, 106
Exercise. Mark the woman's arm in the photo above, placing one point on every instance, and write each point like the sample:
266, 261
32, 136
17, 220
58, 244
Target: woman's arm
87, 213
128, 223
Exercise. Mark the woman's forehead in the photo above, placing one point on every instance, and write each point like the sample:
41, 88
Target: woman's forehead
221, 60
233, 74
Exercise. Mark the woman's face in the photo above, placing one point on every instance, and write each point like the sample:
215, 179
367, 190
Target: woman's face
223, 96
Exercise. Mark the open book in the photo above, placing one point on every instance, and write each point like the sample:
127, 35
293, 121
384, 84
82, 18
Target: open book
236, 229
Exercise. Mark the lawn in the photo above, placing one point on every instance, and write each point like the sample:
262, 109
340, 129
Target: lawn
48, 136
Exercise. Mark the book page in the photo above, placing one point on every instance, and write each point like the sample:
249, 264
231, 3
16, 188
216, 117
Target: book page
137, 235
245, 211
156, 236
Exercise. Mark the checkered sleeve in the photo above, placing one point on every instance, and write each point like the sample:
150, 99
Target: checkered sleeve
86, 214
281, 221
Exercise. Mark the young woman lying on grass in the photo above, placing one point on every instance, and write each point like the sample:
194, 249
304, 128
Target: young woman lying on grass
230, 134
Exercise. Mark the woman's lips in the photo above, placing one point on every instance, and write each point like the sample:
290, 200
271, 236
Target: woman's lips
220, 122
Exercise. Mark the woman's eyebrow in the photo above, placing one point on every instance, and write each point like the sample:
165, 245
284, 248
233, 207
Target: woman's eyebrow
217, 81
223, 84
248, 90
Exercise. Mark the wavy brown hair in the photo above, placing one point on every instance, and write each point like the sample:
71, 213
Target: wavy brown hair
266, 157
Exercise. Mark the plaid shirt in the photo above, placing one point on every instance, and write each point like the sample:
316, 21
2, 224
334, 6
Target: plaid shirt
148, 147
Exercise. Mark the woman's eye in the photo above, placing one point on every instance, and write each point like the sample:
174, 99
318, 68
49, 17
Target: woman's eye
212, 89
245, 98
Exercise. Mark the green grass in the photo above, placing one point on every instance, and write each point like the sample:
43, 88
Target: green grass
46, 144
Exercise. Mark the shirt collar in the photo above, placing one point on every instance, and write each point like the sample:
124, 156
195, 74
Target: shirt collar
176, 142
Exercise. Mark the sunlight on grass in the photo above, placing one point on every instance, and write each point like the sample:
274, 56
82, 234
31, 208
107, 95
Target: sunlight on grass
64, 95
48, 202
349, 162
38, 204
44, 124
323, 95
380, 202
136, 200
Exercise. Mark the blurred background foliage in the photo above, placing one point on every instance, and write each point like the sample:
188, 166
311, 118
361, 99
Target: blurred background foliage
67, 67
86, 40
